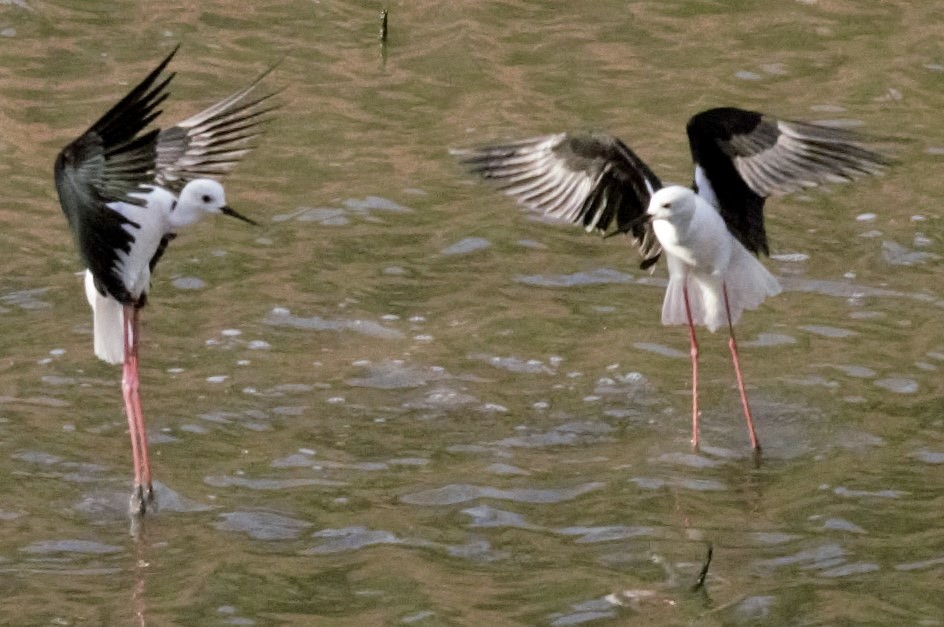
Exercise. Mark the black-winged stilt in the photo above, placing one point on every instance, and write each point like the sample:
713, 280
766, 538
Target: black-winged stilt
125, 194
708, 231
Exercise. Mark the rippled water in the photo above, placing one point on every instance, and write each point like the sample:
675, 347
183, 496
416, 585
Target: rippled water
403, 401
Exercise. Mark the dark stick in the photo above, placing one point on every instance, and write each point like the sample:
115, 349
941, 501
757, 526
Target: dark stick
700, 582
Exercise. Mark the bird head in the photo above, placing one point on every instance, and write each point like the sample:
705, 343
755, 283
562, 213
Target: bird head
675, 204
200, 197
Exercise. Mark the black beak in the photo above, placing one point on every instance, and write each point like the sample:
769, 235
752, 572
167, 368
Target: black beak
229, 211
643, 218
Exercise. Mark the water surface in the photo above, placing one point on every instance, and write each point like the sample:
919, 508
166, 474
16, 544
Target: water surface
404, 401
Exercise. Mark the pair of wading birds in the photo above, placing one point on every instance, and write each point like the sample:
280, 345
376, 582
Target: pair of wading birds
126, 193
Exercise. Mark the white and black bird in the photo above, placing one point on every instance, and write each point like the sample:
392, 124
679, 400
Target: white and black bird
126, 193
707, 232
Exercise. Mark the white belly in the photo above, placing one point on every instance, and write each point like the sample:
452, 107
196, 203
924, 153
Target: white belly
150, 225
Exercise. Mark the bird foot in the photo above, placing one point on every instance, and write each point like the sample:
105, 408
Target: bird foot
755, 456
142, 497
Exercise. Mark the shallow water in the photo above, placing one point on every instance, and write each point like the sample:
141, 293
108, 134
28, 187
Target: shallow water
404, 401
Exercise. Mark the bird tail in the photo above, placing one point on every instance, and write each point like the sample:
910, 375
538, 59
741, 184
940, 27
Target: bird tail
108, 325
704, 294
747, 281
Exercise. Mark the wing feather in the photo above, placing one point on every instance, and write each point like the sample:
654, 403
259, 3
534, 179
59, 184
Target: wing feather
212, 142
592, 180
746, 156
105, 164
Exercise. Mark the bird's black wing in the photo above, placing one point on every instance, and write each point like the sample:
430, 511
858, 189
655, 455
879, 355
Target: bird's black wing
105, 164
593, 180
746, 156
161, 249
211, 143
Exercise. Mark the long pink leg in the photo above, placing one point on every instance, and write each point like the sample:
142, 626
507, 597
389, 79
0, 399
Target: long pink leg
143, 491
694, 354
139, 414
732, 344
129, 382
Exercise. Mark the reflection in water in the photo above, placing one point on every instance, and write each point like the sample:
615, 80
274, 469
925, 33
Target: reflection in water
141, 565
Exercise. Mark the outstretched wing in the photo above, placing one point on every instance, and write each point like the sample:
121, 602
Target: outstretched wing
211, 143
741, 157
105, 164
592, 180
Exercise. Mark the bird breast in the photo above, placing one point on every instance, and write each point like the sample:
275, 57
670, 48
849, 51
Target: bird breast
702, 244
148, 224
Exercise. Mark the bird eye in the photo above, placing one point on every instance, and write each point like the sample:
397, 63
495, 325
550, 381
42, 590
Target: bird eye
206, 198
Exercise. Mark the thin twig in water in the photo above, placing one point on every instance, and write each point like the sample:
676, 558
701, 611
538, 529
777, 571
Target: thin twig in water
383, 26
700, 582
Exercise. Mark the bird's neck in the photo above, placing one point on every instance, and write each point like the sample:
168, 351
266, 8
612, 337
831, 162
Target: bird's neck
183, 214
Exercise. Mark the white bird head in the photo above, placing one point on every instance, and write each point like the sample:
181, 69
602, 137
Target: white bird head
200, 197
675, 204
